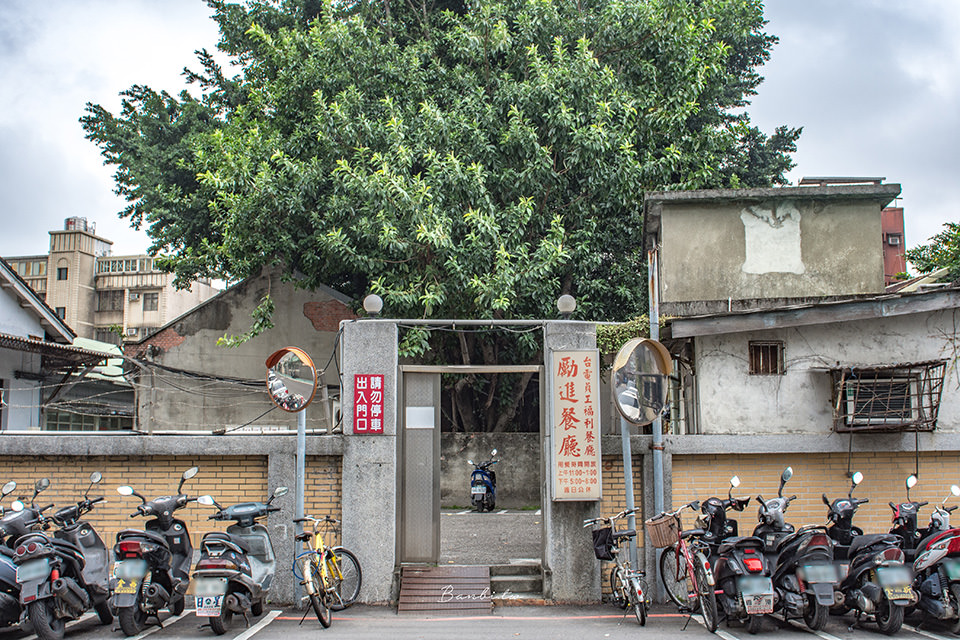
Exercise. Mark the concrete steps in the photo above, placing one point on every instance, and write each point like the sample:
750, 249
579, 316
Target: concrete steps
517, 583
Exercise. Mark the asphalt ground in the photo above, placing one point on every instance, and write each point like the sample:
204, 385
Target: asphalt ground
493, 537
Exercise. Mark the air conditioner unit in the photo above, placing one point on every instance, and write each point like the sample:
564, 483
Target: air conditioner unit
134, 296
132, 331
893, 241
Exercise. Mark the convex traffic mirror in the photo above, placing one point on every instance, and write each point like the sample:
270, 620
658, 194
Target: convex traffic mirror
291, 379
641, 372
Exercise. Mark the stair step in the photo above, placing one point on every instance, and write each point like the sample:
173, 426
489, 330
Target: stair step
516, 569
516, 584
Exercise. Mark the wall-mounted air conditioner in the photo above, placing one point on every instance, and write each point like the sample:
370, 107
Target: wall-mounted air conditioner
893, 241
131, 331
134, 296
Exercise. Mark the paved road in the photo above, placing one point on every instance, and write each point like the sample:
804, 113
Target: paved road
530, 623
494, 537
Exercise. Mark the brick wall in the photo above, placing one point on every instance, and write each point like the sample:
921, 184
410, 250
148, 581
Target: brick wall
614, 501
322, 493
229, 479
702, 476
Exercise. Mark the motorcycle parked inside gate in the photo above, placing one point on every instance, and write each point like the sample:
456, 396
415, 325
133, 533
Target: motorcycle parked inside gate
236, 568
152, 566
63, 575
742, 574
804, 575
877, 582
9, 588
935, 552
483, 484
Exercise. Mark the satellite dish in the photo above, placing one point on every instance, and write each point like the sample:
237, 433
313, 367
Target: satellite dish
640, 377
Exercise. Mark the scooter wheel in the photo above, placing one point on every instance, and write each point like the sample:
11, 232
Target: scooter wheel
103, 612
132, 620
45, 623
176, 607
221, 623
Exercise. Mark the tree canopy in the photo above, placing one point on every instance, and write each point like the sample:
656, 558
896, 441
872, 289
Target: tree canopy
461, 158
943, 251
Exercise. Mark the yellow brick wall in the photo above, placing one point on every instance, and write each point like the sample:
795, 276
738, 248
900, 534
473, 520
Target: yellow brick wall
322, 492
614, 501
699, 477
229, 479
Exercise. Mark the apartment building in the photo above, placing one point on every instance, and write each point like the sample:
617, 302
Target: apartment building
102, 296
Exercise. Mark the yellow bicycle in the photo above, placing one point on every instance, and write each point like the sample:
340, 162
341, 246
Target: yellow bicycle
330, 576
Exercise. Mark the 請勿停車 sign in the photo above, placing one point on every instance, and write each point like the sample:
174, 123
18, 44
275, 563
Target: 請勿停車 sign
368, 404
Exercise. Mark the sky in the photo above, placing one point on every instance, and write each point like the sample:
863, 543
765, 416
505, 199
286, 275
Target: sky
875, 84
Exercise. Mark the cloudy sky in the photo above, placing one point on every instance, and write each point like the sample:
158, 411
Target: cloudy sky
874, 83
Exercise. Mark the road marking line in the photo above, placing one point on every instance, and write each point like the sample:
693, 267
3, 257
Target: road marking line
463, 513
267, 619
82, 618
503, 511
719, 632
821, 634
156, 628
928, 634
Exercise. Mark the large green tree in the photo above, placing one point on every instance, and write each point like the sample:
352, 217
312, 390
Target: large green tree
942, 251
462, 158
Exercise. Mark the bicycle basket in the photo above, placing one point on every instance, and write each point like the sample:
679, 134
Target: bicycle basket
663, 530
603, 543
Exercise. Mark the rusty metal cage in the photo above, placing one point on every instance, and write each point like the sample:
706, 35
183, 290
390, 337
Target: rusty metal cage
901, 397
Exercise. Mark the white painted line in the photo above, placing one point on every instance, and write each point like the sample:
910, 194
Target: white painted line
821, 634
463, 513
538, 512
928, 634
719, 632
267, 619
503, 511
156, 628
82, 618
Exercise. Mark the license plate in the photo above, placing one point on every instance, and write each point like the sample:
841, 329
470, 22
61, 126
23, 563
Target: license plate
757, 593
209, 606
130, 569
209, 586
127, 585
952, 566
816, 573
894, 577
33, 570
478, 489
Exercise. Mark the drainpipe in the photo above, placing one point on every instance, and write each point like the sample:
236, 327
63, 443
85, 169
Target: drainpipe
656, 428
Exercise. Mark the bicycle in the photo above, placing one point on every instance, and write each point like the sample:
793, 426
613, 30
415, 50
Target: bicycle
331, 576
626, 583
684, 568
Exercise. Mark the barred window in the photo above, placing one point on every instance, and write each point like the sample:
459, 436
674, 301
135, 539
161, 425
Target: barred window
904, 397
766, 358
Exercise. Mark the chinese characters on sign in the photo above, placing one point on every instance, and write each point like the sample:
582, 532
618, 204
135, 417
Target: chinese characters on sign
576, 427
367, 404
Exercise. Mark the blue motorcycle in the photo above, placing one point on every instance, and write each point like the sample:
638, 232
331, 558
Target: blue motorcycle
483, 484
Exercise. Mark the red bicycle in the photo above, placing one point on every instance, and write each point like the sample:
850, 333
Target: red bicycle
684, 568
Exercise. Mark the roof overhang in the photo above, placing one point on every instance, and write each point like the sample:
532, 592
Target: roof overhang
55, 355
816, 313
49, 320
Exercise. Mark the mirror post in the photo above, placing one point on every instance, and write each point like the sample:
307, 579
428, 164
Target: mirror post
628, 486
301, 480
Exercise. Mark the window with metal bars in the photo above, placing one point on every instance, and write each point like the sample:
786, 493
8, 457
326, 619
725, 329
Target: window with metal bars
766, 358
903, 397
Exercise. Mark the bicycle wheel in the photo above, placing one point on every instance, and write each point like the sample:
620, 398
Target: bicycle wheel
706, 595
343, 571
638, 600
675, 579
618, 587
318, 600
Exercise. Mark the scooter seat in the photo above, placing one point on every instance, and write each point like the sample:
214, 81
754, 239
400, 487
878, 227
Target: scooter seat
220, 535
6, 551
142, 533
740, 542
871, 539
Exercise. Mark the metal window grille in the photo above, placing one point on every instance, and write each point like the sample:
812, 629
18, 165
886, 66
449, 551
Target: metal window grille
766, 358
903, 397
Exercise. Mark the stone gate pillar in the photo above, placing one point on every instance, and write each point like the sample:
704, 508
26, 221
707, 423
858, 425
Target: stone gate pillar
369, 480
572, 571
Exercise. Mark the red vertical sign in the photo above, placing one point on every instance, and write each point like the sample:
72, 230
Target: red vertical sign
367, 404
576, 429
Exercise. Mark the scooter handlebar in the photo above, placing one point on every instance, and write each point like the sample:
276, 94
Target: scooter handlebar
861, 500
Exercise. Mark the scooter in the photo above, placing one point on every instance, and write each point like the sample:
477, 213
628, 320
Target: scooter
9, 588
64, 575
152, 567
876, 582
743, 575
936, 564
236, 568
483, 484
804, 576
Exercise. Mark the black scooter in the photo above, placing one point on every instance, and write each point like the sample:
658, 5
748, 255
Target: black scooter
236, 568
804, 575
9, 588
64, 575
743, 575
152, 567
876, 581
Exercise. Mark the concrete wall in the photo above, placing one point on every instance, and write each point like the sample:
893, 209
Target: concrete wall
732, 401
773, 248
21, 397
518, 472
309, 320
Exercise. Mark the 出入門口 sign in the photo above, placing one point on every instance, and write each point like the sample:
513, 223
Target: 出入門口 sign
368, 404
576, 427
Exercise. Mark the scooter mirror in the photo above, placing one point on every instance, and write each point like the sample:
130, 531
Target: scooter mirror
206, 500
857, 478
189, 473
911, 481
469, 461
125, 490
493, 453
41, 484
17, 505
735, 481
96, 477
955, 490
280, 491
9, 488
786, 475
